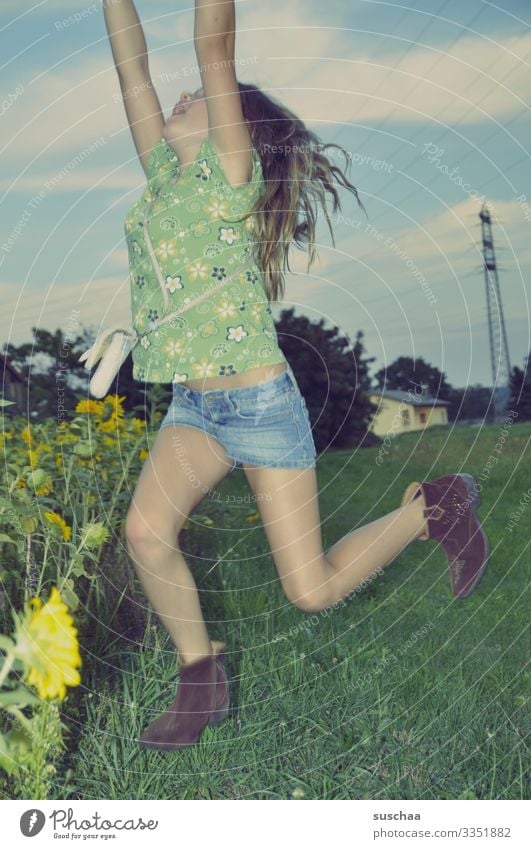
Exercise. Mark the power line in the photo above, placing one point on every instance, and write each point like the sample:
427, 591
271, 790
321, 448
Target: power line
471, 150
447, 130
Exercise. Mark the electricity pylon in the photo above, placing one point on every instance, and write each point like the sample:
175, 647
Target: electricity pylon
499, 349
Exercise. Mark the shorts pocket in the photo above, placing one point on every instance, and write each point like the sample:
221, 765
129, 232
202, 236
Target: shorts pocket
266, 404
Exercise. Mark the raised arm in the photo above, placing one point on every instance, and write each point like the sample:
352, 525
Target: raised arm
214, 37
129, 50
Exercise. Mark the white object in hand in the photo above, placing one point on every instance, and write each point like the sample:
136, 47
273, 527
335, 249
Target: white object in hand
112, 359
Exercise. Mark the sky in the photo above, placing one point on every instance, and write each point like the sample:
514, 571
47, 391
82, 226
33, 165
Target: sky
430, 98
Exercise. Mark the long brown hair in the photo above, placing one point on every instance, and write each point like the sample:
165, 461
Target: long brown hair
296, 180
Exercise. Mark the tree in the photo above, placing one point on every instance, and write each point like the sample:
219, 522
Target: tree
333, 376
57, 380
406, 374
49, 364
472, 402
520, 390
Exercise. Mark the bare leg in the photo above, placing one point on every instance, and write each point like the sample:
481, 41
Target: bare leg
164, 497
374, 546
311, 579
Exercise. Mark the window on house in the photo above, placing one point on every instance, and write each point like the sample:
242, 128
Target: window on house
422, 417
405, 418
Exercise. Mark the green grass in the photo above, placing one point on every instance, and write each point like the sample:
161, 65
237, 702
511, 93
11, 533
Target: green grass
403, 693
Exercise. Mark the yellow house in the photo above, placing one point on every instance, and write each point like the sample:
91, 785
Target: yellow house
402, 411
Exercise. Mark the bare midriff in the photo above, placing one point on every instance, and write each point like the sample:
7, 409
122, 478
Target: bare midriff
232, 381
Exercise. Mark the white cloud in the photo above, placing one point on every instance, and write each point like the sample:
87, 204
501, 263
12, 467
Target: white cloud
105, 302
294, 50
38, 6
77, 180
310, 68
62, 112
454, 232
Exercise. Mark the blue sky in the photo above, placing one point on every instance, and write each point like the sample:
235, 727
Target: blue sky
431, 99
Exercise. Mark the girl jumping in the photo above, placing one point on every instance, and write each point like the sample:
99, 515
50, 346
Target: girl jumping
233, 178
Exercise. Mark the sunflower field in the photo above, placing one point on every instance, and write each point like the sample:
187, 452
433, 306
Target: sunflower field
62, 490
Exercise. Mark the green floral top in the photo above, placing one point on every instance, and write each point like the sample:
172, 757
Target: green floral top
198, 246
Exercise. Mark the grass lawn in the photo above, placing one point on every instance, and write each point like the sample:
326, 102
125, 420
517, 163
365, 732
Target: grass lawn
402, 693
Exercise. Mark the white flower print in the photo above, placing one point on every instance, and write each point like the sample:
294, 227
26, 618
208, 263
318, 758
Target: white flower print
204, 169
179, 378
208, 328
145, 342
228, 235
236, 334
217, 209
173, 283
256, 312
141, 318
197, 269
165, 250
201, 228
226, 309
204, 368
173, 347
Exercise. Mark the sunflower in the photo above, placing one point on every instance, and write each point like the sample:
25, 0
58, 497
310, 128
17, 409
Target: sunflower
139, 425
94, 534
93, 408
26, 435
56, 519
35, 451
117, 404
112, 417
40, 481
111, 425
46, 642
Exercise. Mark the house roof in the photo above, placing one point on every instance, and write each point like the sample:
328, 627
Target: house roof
409, 397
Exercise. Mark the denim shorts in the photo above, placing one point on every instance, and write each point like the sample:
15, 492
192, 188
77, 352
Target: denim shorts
266, 424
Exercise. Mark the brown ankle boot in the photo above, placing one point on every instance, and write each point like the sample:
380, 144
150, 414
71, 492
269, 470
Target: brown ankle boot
222, 691
452, 521
202, 698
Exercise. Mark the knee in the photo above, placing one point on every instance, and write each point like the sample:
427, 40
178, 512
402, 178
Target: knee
143, 533
309, 601
137, 531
